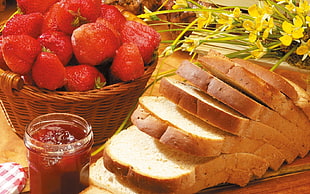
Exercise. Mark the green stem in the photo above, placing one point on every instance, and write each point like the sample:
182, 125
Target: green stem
283, 58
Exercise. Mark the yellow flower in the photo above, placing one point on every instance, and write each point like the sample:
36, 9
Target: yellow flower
260, 51
180, 4
304, 49
253, 10
226, 21
268, 29
303, 8
191, 45
262, 9
291, 7
250, 27
308, 20
204, 19
237, 12
292, 31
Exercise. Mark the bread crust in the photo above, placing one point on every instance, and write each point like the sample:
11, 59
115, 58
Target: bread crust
214, 116
195, 145
143, 181
236, 168
173, 136
270, 77
257, 88
253, 129
237, 100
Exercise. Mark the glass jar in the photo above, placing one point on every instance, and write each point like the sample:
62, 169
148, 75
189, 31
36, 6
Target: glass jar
59, 147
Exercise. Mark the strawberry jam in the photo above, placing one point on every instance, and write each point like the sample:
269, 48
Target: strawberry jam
59, 146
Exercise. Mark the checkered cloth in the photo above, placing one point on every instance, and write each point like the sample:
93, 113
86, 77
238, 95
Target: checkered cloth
13, 178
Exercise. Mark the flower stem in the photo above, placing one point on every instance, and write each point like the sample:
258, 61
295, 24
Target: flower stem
283, 59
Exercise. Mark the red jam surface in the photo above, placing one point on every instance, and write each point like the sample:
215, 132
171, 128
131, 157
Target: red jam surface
59, 174
59, 134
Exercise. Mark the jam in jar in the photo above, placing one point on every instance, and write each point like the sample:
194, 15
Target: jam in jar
59, 146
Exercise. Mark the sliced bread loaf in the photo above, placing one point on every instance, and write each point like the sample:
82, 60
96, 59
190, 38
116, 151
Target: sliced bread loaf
182, 138
255, 87
198, 103
148, 164
297, 94
242, 103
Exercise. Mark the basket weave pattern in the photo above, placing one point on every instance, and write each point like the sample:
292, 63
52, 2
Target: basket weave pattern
105, 109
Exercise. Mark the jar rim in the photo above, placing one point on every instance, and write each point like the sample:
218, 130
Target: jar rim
58, 149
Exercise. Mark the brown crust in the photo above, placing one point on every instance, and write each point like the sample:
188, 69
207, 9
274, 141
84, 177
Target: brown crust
257, 88
173, 136
272, 78
216, 117
240, 78
192, 72
236, 100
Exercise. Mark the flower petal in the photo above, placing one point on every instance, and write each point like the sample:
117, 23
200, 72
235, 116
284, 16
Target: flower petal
286, 40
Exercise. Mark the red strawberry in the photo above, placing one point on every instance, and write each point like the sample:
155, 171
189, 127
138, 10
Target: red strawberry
48, 72
111, 27
49, 22
58, 43
128, 63
74, 13
20, 52
83, 78
113, 15
31, 6
29, 24
145, 37
3, 65
93, 43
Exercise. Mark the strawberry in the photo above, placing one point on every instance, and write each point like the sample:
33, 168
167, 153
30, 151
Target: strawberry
145, 37
128, 63
83, 78
3, 65
113, 15
93, 43
111, 27
48, 72
49, 21
58, 43
29, 24
31, 6
20, 52
74, 13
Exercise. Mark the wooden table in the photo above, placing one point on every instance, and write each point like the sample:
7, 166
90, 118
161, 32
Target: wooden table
293, 178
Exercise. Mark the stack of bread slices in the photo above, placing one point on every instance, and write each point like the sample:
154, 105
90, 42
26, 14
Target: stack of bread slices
224, 121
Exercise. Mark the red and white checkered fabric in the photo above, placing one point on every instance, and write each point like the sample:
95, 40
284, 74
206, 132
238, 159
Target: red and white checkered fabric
13, 178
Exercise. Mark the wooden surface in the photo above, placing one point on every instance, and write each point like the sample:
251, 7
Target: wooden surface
293, 178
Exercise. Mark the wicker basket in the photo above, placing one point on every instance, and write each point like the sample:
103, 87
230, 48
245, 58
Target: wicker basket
105, 109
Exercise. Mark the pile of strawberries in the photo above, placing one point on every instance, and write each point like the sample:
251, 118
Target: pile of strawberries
75, 45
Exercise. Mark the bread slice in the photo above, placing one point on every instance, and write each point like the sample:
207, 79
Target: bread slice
178, 128
183, 139
199, 104
148, 164
303, 100
242, 103
255, 87
95, 190
102, 180
297, 94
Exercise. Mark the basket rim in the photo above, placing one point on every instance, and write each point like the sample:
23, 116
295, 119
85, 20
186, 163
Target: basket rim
116, 88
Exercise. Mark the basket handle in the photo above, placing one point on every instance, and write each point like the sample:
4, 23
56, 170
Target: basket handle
10, 81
